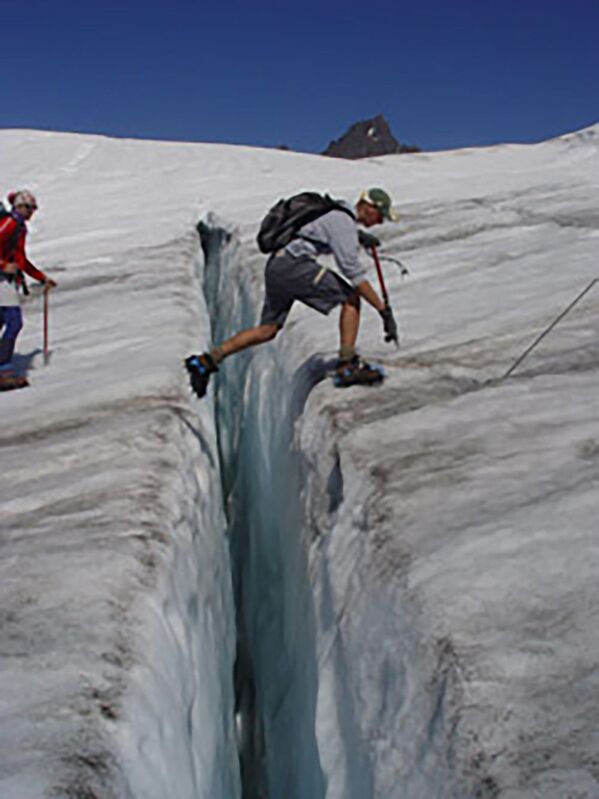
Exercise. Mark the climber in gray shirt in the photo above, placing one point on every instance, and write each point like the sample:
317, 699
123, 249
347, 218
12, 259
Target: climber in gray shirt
293, 273
334, 234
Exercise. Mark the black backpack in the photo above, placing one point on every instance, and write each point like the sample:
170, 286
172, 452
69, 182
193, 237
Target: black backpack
282, 223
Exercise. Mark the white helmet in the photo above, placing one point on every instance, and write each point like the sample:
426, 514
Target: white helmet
22, 197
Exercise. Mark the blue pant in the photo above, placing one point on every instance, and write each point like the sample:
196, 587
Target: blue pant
11, 319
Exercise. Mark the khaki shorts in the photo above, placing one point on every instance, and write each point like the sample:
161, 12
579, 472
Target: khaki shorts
288, 279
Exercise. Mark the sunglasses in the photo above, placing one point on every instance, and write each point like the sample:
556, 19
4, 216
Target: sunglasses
28, 206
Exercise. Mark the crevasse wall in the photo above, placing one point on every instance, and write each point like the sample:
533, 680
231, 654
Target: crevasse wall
179, 739
384, 717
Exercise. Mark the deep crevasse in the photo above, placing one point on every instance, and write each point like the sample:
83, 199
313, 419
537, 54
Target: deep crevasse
247, 491
263, 490
337, 674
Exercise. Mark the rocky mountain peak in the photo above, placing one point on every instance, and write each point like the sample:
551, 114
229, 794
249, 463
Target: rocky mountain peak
366, 139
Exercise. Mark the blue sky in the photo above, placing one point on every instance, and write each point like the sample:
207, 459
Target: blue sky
445, 74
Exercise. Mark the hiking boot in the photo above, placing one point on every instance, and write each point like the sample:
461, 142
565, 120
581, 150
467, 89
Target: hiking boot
200, 367
10, 381
357, 372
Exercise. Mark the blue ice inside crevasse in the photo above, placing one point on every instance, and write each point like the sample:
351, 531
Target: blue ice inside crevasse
275, 675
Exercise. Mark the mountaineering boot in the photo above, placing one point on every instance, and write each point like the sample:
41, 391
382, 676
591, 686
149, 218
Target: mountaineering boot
10, 381
200, 367
357, 372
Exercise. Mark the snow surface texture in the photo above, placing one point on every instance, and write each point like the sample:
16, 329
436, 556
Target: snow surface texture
418, 561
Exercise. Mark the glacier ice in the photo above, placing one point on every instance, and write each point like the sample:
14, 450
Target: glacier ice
417, 564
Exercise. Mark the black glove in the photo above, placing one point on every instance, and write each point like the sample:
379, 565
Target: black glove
390, 325
367, 240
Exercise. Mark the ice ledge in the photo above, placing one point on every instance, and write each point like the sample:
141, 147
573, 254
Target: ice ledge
454, 583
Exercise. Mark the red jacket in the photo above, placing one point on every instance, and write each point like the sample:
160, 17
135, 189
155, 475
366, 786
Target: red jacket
12, 248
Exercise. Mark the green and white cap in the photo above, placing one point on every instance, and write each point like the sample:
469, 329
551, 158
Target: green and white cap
381, 200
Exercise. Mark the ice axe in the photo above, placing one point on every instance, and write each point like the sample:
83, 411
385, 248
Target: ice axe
368, 241
404, 269
384, 293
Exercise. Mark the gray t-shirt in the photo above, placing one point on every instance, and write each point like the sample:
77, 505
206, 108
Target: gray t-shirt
333, 233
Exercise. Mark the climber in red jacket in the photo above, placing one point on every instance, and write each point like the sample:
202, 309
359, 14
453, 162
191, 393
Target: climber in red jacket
14, 265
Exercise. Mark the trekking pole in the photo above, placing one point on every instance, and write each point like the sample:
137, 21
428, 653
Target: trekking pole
551, 326
46, 314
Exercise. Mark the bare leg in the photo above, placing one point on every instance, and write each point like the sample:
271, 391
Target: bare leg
200, 367
349, 323
247, 338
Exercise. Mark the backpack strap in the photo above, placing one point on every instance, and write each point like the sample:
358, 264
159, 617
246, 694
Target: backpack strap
13, 240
